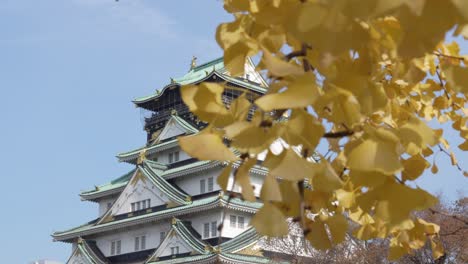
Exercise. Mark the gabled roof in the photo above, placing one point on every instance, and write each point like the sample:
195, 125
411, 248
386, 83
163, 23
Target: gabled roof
113, 187
86, 252
150, 171
184, 232
204, 72
177, 123
197, 205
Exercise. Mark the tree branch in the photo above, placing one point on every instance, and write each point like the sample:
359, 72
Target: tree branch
339, 134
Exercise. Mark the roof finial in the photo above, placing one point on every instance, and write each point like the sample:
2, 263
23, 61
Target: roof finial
173, 112
194, 62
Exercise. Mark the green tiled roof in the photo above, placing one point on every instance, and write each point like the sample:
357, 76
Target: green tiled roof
113, 185
196, 206
90, 253
243, 240
201, 73
203, 258
133, 154
240, 258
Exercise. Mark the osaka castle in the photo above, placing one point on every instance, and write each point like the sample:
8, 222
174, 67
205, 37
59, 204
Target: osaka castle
169, 208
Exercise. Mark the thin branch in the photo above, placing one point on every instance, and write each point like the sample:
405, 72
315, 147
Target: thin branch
456, 217
448, 56
339, 134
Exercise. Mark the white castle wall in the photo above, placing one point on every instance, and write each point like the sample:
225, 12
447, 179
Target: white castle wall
127, 237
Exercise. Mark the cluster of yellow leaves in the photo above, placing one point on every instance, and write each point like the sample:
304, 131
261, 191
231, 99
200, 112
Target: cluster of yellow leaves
363, 75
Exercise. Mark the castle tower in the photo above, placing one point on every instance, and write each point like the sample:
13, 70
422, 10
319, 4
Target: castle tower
168, 208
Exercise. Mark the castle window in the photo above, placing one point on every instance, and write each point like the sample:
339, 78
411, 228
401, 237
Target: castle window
214, 229
140, 243
174, 250
210, 184
206, 230
162, 235
202, 186
240, 222
116, 247
176, 156
171, 157
232, 219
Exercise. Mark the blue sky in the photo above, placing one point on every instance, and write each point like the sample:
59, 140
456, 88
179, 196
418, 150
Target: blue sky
68, 71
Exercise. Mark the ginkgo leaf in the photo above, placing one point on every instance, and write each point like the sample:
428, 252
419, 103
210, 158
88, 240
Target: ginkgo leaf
414, 167
270, 221
317, 235
251, 137
300, 93
457, 77
290, 166
205, 101
270, 189
434, 168
242, 178
464, 145
325, 178
303, 129
376, 153
206, 146
338, 226
416, 134
240, 107
279, 67
223, 178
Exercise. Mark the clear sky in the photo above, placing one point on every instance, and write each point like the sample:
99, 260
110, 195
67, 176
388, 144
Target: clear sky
68, 71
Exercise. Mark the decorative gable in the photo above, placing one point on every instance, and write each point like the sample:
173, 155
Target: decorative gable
86, 253
145, 189
175, 126
181, 239
140, 193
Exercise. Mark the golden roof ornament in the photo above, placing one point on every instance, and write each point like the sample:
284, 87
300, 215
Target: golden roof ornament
193, 64
172, 80
141, 157
173, 112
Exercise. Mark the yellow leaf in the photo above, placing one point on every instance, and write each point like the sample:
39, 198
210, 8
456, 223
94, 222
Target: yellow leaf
270, 189
251, 137
242, 178
416, 134
317, 235
278, 67
453, 159
240, 107
338, 226
375, 153
302, 92
223, 178
270, 221
437, 249
345, 198
434, 168
290, 204
303, 129
396, 250
414, 167
367, 178
462, 7
310, 16
457, 77
235, 57
325, 178
205, 101
288, 165
206, 146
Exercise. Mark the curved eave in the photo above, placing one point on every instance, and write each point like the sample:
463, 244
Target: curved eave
93, 197
205, 204
230, 80
132, 156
